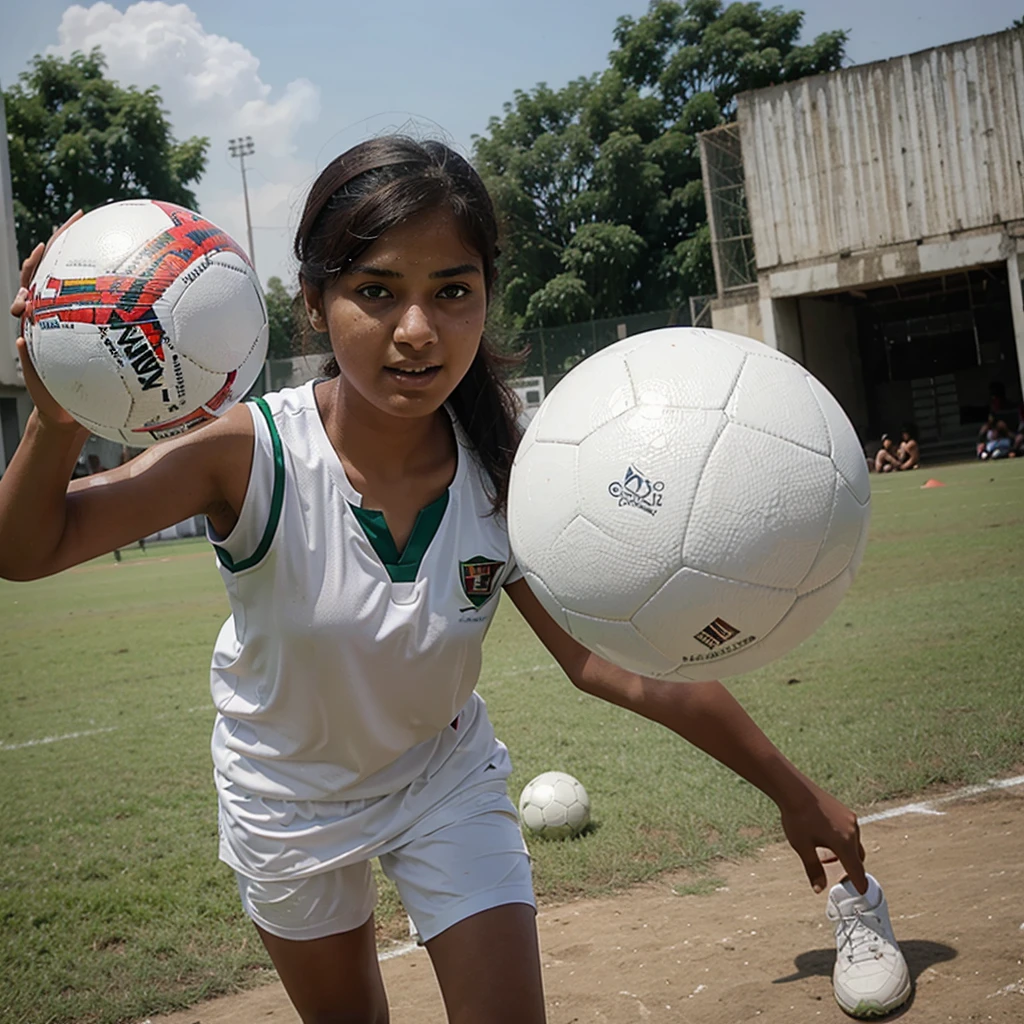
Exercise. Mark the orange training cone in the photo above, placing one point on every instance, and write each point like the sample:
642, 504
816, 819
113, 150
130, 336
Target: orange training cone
932, 483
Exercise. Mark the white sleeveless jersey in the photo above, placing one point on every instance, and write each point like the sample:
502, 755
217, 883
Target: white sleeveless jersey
344, 678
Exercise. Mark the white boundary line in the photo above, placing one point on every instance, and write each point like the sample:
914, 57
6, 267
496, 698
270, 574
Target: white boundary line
56, 739
396, 951
928, 806
92, 732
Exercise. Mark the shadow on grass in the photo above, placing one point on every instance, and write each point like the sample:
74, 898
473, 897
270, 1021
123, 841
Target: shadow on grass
588, 830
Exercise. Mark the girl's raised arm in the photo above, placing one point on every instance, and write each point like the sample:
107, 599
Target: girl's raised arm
49, 522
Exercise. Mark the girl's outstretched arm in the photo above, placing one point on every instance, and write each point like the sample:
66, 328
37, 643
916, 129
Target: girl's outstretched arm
709, 717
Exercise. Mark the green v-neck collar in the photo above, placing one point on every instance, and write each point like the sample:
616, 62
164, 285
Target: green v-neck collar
402, 567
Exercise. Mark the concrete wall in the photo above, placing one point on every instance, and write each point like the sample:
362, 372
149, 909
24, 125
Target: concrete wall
740, 315
905, 262
885, 154
12, 427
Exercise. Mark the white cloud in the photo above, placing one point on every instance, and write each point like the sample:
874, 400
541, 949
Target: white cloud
210, 85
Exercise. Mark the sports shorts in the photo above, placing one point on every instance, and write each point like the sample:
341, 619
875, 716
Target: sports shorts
459, 868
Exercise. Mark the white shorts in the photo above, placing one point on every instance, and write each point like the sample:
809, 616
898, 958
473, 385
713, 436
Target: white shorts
444, 876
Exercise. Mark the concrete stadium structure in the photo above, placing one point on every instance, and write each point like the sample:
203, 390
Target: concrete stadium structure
869, 223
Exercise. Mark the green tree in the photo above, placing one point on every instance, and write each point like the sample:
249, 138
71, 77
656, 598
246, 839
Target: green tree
599, 185
78, 139
285, 333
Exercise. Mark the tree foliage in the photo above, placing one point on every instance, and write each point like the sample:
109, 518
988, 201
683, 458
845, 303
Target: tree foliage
285, 332
599, 183
78, 139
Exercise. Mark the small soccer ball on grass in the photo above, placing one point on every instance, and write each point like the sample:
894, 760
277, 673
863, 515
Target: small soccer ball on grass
554, 805
689, 504
144, 321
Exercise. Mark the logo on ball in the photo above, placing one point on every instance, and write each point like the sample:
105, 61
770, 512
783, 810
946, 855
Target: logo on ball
716, 633
637, 491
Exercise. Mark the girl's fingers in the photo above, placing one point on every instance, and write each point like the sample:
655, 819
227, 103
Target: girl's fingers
28, 268
18, 305
77, 215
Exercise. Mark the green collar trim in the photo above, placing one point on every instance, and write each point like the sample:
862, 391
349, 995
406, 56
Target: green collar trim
276, 501
404, 567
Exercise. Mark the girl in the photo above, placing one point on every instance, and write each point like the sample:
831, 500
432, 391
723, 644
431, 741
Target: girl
359, 526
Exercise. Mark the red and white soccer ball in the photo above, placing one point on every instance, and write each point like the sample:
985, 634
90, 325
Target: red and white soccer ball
145, 320
554, 805
689, 504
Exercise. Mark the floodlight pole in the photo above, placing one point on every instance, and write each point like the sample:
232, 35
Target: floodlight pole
243, 147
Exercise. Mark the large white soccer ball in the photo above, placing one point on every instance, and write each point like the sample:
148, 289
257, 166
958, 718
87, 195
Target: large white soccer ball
689, 504
554, 805
145, 320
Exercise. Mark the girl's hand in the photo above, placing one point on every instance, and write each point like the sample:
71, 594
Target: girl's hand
48, 410
821, 820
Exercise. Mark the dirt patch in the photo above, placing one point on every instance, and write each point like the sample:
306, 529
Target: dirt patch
758, 948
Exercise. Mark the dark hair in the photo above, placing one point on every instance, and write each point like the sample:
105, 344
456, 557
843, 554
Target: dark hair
374, 187
910, 429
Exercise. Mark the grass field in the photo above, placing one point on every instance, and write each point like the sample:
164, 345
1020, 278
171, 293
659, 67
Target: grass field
112, 902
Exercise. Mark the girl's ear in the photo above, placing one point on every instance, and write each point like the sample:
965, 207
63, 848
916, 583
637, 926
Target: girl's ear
313, 301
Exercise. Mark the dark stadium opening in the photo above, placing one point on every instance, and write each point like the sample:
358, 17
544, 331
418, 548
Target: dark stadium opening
934, 350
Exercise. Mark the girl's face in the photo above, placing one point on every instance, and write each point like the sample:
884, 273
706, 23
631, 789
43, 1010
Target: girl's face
405, 320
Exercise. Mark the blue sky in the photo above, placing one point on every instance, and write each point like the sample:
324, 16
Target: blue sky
309, 79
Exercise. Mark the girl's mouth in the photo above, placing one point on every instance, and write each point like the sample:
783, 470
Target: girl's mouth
418, 376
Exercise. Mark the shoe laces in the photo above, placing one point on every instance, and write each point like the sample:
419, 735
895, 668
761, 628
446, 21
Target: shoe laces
857, 938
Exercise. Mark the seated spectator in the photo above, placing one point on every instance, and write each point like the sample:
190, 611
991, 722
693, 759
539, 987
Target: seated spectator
908, 455
985, 434
886, 461
1017, 451
1000, 445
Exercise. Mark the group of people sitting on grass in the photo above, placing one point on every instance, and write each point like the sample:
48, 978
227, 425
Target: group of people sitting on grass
997, 441
1002, 434
894, 458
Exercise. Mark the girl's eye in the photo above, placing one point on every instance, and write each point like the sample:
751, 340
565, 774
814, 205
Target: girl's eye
374, 291
453, 291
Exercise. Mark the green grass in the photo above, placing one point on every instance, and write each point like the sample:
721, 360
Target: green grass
112, 902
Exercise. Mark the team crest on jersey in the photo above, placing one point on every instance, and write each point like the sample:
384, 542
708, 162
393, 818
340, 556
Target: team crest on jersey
479, 576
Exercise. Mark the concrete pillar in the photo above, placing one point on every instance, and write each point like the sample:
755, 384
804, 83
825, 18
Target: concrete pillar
781, 323
1017, 311
831, 353
768, 333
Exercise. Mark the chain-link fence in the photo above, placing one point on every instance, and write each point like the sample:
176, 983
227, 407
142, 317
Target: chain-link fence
550, 351
553, 351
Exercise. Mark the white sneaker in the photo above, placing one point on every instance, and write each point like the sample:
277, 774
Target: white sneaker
870, 977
